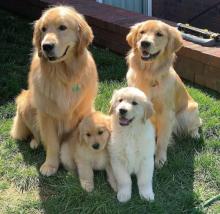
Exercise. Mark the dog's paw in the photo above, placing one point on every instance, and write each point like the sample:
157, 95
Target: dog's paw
48, 169
34, 144
160, 159
124, 195
147, 195
87, 185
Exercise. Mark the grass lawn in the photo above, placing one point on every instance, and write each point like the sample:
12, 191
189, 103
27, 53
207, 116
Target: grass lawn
191, 177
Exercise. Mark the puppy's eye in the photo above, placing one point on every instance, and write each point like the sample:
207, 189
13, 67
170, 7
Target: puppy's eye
62, 27
120, 100
43, 29
142, 32
159, 34
100, 132
134, 103
88, 134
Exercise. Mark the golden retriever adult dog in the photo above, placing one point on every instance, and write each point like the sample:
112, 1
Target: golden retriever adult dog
150, 61
87, 148
62, 80
132, 144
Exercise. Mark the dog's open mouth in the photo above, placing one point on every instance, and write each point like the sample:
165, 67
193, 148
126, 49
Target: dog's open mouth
53, 58
146, 55
124, 121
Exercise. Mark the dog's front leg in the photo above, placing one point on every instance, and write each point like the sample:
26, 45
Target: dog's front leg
165, 122
123, 180
111, 178
86, 175
144, 177
50, 140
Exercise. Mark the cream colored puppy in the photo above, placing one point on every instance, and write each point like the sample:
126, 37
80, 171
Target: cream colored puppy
87, 148
132, 142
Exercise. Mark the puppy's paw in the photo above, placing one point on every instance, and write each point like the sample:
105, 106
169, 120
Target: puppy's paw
160, 159
88, 186
34, 144
48, 169
124, 195
147, 194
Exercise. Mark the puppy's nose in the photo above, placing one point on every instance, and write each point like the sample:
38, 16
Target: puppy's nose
96, 146
48, 47
145, 44
122, 111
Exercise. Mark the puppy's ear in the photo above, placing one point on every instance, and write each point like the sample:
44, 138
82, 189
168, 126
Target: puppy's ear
175, 41
108, 124
132, 35
148, 111
113, 102
80, 131
85, 35
37, 37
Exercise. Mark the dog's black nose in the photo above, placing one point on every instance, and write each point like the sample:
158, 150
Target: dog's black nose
145, 44
122, 111
96, 146
48, 47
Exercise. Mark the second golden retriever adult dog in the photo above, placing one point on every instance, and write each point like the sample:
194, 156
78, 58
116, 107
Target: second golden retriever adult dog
150, 61
62, 79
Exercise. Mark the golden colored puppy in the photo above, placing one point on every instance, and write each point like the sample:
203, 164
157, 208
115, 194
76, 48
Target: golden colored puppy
87, 148
62, 79
150, 61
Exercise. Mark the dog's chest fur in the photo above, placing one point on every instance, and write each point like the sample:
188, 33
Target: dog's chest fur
97, 160
132, 144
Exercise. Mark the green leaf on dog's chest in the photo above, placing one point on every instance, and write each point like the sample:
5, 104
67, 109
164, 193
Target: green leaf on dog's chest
76, 88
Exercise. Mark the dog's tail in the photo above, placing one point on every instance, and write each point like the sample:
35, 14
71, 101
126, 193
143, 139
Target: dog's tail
19, 130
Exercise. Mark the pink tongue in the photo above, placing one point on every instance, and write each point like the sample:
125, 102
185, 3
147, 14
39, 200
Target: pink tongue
124, 121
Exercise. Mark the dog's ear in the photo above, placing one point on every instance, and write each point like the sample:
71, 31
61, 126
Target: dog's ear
37, 37
132, 35
148, 111
175, 41
108, 124
113, 102
85, 35
80, 131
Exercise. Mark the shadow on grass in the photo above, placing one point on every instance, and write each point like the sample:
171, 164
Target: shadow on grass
173, 186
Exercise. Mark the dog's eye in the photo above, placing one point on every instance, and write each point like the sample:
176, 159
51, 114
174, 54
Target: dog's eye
120, 100
62, 27
100, 132
88, 134
134, 103
43, 29
159, 34
142, 32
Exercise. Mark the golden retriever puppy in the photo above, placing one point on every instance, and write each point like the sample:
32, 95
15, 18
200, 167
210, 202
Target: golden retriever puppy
87, 148
150, 61
62, 78
132, 144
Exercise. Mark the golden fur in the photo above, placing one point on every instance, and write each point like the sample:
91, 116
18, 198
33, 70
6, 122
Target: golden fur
62, 82
80, 149
150, 61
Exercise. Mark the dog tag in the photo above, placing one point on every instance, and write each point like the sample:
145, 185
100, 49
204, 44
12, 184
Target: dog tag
75, 87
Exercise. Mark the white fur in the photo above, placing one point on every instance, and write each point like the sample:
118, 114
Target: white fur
132, 148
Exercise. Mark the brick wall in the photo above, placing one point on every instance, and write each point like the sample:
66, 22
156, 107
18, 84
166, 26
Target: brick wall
183, 10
